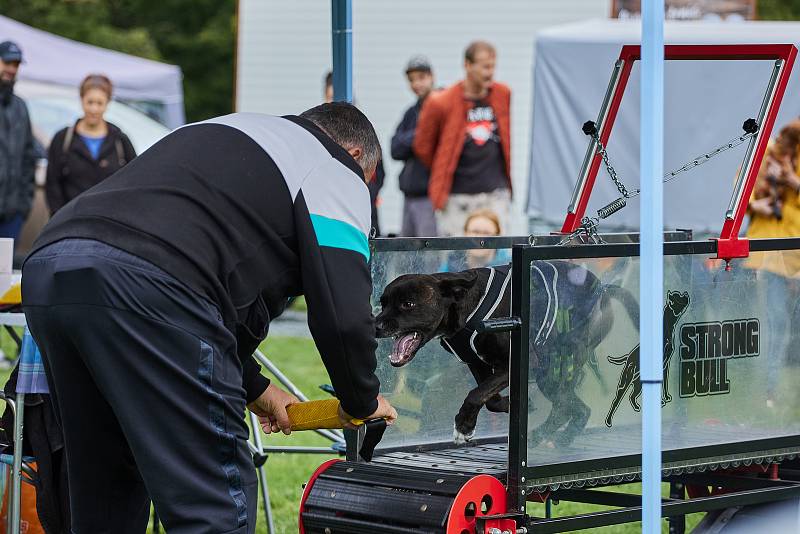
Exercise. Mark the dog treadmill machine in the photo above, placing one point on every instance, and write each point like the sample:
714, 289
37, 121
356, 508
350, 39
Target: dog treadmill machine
730, 411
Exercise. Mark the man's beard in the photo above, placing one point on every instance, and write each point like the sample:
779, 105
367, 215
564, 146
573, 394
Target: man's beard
6, 90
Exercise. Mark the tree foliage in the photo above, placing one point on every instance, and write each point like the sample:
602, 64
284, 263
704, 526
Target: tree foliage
779, 9
197, 35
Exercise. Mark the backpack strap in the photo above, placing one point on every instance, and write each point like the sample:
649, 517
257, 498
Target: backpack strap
65, 146
120, 152
68, 140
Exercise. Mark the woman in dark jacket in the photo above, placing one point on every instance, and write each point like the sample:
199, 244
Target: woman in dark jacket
88, 152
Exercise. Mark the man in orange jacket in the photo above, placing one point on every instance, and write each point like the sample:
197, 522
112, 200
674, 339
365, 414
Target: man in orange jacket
463, 135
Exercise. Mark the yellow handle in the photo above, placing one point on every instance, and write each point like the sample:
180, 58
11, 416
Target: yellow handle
12, 296
315, 415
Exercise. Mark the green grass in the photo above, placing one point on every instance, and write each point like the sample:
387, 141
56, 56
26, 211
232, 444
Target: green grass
299, 304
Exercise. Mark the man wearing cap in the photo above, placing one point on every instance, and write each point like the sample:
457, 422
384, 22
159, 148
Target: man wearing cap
418, 217
17, 149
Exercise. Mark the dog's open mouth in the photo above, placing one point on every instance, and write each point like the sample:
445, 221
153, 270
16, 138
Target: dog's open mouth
404, 349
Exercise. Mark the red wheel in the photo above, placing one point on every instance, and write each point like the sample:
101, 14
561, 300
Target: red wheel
481, 495
307, 490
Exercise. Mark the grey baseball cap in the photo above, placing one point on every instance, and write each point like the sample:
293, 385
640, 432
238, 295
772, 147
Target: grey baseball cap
418, 63
10, 51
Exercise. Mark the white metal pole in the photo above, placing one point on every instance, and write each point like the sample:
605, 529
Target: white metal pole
651, 283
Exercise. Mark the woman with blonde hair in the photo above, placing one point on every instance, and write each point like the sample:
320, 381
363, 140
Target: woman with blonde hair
88, 152
479, 223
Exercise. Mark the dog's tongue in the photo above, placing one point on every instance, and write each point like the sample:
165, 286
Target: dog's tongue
403, 346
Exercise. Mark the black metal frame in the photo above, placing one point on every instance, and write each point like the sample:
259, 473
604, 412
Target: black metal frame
409, 244
748, 491
522, 478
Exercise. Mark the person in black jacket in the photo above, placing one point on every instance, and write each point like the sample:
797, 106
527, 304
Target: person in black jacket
86, 153
17, 147
148, 294
418, 216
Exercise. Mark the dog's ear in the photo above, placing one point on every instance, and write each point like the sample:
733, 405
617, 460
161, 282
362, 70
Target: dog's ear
456, 285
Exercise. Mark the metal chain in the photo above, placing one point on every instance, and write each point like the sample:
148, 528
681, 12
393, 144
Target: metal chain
610, 169
587, 229
588, 226
668, 177
703, 158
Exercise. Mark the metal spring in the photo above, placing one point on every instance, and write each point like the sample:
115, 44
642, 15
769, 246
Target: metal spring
611, 208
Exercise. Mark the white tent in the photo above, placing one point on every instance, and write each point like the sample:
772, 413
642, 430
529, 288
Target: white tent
705, 106
61, 62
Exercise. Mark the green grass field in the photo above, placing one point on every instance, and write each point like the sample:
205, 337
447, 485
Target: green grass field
286, 473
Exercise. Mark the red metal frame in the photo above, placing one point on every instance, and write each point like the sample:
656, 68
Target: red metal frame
476, 489
728, 244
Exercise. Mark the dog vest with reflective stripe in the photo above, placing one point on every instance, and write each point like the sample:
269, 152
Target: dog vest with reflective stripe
462, 344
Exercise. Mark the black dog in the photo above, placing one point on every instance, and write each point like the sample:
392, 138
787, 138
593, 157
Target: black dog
570, 315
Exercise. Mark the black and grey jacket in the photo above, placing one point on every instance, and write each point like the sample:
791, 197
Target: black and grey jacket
17, 159
248, 210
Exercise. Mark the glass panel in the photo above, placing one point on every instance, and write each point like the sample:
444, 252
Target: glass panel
728, 342
428, 391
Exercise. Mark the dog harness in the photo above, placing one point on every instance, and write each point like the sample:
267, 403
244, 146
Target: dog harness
462, 344
562, 296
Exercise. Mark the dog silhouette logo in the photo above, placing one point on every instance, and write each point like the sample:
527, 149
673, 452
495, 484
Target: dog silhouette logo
675, 306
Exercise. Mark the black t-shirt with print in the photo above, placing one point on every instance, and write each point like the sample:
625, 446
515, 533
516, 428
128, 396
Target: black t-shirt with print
481, 167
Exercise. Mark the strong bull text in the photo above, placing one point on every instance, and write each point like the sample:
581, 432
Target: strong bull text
706, 349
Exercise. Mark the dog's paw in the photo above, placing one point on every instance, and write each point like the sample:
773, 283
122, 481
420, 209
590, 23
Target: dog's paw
460, 438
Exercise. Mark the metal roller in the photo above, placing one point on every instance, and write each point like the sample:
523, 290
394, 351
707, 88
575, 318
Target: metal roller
360, 498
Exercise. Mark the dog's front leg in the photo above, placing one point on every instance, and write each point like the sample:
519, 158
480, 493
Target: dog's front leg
482, 372
467, 416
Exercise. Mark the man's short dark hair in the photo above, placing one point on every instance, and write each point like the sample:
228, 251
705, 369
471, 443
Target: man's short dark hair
478, 46
349, 128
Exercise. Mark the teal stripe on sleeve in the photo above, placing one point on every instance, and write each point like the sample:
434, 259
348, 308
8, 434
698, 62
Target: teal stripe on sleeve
339, 234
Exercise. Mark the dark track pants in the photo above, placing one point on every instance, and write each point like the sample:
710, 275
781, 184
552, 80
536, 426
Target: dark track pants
149, 391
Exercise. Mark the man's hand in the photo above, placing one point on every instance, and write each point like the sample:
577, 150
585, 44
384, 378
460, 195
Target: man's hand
270, 408
384, 411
